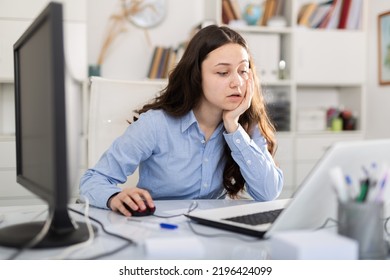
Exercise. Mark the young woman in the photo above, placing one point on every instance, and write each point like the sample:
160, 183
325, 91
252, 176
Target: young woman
207, 135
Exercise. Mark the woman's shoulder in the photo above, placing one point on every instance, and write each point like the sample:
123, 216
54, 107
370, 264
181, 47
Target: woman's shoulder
157, 116
154, 114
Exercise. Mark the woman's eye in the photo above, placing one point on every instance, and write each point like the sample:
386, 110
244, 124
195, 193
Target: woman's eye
222, 73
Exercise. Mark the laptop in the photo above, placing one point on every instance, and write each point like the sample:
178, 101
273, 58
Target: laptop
315, 201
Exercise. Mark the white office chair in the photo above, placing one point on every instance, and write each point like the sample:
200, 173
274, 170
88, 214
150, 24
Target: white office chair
111, 105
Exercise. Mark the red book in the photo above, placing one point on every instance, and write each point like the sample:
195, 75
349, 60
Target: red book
344, 14
328, 16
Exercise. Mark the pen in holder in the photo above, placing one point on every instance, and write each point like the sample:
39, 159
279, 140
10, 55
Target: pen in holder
364, 223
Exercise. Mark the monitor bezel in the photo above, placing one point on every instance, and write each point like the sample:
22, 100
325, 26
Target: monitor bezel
51, 15
58, 229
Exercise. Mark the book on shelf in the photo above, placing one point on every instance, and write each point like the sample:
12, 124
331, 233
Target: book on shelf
228, 13
269, 11
150, 71
319, 14
354, 14
305, 13
162, 66
334, 19
272, 9
163, 61
171, 63
328, 16
235, 6
279, 7
154, 65
333, 14
234, 9
344, 14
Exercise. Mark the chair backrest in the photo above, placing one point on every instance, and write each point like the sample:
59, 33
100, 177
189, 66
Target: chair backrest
112, 104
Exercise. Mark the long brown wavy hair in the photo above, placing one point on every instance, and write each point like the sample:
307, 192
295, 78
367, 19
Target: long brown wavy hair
184, 92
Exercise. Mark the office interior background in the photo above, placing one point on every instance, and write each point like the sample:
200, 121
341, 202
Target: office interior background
349, 78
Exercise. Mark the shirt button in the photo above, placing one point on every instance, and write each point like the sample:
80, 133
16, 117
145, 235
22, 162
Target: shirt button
249, 162
205, 185
238, 141
202, 141
206, 160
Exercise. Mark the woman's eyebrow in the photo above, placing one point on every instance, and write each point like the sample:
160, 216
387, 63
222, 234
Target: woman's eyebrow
222, 64
227, 63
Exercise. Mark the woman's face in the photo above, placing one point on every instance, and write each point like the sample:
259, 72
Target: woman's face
224, 74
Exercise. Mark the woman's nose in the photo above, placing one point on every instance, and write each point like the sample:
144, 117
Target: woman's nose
236, 80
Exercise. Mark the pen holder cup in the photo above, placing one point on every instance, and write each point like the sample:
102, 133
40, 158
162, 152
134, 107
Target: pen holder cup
364, 223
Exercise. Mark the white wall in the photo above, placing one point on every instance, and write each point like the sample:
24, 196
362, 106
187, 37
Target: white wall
131, 54
378, 97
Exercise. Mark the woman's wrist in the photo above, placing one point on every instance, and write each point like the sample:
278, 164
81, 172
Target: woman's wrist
109, 200
231, 127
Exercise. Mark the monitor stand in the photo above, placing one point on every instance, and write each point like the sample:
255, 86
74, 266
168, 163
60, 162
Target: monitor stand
62, 232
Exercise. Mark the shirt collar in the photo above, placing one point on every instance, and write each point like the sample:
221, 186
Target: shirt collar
189, 119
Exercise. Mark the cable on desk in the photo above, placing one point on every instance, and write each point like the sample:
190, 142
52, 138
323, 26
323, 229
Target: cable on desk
38, 238
385, 225
99, 256
191, 208
81, 245
387, 233
326, 222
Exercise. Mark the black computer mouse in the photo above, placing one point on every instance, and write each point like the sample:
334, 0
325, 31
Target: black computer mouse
138, 213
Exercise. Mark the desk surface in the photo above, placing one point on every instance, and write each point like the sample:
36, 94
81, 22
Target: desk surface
220, 245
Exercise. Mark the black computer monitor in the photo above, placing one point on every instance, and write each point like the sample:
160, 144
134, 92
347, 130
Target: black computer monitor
41, 141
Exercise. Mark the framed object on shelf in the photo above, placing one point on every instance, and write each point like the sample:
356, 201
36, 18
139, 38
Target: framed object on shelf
384, 48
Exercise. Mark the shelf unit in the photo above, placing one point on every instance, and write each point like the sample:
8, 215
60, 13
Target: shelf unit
324, 68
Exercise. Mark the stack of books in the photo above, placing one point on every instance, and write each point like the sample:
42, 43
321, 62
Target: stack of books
163, 61
334, 14
233, 9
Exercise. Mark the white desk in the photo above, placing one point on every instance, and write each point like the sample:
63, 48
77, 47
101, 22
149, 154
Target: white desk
225, 245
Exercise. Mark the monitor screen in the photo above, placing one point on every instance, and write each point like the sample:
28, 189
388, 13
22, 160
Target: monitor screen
40, 107
41, 142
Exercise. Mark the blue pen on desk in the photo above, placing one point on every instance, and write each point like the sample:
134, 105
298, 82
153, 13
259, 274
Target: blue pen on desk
161, 225
381, 190
352, 188
377, 188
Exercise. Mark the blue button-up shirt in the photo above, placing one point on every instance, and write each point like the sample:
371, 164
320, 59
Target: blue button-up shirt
176, 162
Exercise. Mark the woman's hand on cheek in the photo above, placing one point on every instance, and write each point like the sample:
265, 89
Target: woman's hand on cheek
230, 118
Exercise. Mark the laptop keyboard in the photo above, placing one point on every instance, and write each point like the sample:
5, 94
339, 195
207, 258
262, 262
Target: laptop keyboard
257, 218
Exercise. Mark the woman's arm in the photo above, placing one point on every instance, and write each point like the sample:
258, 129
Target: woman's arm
264, 180
119, 161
